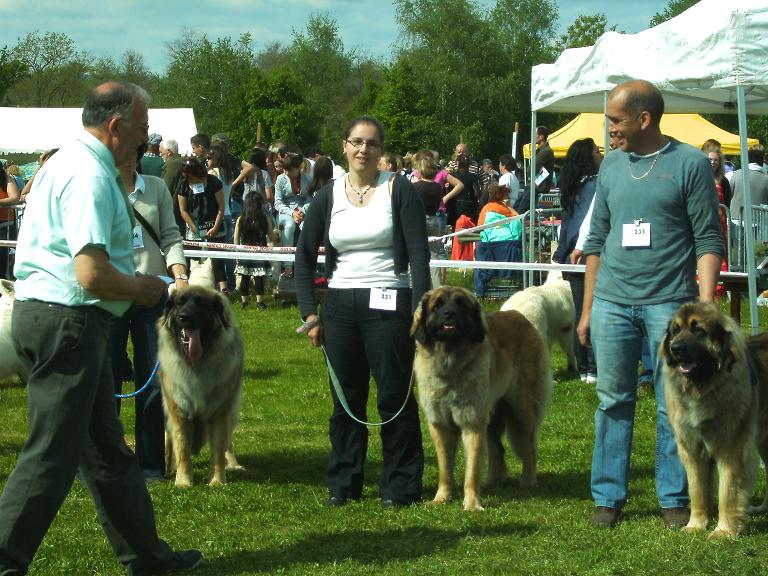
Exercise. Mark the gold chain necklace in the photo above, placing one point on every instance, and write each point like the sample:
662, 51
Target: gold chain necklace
658, 154
361, 194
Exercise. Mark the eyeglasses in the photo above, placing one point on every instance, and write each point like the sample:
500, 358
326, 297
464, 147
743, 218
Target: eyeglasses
357, 143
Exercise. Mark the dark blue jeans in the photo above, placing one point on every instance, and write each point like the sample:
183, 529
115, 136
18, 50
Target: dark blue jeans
140, 323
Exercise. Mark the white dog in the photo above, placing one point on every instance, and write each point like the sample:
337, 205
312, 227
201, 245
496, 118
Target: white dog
9, 360
550, 309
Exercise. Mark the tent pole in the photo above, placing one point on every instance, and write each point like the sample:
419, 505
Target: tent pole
532, 208
748, 232
606, 136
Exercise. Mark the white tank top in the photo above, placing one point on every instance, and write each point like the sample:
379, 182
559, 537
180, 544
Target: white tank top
362, 237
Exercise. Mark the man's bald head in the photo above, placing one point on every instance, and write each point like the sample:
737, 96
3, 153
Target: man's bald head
636, 96
110, 100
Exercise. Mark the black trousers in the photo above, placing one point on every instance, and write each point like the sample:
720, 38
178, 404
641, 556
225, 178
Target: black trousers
73, 422
359, 342
585, 357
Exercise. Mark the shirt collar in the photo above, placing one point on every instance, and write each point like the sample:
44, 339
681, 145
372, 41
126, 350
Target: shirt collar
138, 188
99, 150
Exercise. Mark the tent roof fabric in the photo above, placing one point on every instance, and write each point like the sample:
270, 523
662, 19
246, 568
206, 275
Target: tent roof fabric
696, 59
689, 128
37, 129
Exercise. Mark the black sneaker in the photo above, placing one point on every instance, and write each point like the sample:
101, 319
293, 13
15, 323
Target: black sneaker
185, 561
605, 517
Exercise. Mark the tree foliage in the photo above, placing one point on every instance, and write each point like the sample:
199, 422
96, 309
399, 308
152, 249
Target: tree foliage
585, 31
12, 70
674, 8
56, 71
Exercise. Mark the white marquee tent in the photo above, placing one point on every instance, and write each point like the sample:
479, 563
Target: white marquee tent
37, 129
711, 58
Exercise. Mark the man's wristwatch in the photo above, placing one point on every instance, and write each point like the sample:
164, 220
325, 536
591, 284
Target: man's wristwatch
181, 277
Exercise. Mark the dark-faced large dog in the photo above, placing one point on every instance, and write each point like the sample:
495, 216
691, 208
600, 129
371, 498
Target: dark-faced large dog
467, 365
201, 371
715, 386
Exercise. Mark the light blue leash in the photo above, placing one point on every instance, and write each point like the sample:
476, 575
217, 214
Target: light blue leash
146, 384
343, 398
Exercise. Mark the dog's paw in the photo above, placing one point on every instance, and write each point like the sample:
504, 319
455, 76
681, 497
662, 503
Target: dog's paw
216, 482
473, 506
183, 482
235, 468
722, 534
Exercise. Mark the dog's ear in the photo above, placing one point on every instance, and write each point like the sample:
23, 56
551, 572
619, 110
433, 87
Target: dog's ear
170, 302
221, 305
478, 322
666, 352
419, 329
726, 347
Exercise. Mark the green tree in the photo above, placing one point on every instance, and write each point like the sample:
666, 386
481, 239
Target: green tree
674, 8
585, 31
12, 71
204, 74
277, 102
56, 71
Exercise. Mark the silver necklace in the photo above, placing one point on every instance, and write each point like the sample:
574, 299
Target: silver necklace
647, 171
361, 194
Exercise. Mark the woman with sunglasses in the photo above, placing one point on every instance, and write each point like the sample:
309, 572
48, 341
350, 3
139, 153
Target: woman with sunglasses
373, 227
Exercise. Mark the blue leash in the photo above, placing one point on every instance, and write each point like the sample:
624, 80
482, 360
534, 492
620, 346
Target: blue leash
146, 384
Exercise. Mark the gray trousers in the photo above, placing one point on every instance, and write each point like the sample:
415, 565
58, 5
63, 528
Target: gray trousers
73, 423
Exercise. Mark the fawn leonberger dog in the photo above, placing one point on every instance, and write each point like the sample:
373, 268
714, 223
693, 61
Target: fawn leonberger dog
715, 389
469, 368
201, 372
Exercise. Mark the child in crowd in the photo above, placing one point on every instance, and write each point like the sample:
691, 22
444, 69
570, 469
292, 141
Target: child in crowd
253, 228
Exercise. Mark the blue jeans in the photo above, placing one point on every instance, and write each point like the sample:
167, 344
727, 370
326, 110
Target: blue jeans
617, 339
141, 324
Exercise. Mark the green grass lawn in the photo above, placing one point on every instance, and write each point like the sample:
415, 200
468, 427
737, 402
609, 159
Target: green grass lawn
270, 519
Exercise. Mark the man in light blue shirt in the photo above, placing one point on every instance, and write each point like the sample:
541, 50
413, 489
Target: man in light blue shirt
75, 270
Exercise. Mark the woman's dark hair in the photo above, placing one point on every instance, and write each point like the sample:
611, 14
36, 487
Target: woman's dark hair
219, 159
191, 165
293, 160
253, 221
258, 158
462, 162
322, 174
365, 120
579, 163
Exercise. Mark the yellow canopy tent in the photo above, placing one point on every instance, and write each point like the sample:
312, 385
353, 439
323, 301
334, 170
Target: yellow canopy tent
689, 128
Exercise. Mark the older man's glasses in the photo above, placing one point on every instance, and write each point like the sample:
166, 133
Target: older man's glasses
357, 143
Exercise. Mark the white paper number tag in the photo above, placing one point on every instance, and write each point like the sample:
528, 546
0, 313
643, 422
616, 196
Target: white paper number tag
383, 299
637, 235
138, 237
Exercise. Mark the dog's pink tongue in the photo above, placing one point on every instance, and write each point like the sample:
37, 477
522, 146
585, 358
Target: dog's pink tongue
687, 368
195, 350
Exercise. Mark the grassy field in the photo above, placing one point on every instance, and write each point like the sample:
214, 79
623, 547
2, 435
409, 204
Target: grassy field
270, 519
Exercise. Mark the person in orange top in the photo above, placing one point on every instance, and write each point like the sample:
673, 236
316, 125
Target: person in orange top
500, 243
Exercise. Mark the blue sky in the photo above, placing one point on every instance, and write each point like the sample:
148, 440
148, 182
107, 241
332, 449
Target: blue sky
109, 27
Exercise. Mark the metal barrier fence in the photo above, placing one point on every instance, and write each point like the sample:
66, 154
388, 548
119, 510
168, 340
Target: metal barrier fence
737, 242
545, 222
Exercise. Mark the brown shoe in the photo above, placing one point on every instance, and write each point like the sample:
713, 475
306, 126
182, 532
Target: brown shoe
675, 517
605, 517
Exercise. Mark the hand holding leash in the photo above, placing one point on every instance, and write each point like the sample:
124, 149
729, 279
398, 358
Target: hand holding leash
313, 329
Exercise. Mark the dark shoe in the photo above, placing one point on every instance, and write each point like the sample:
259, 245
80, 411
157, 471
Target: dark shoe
243, 305
261, 306
181, 562
392, 503
675, 517
335, 502
605, 517
151, 476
